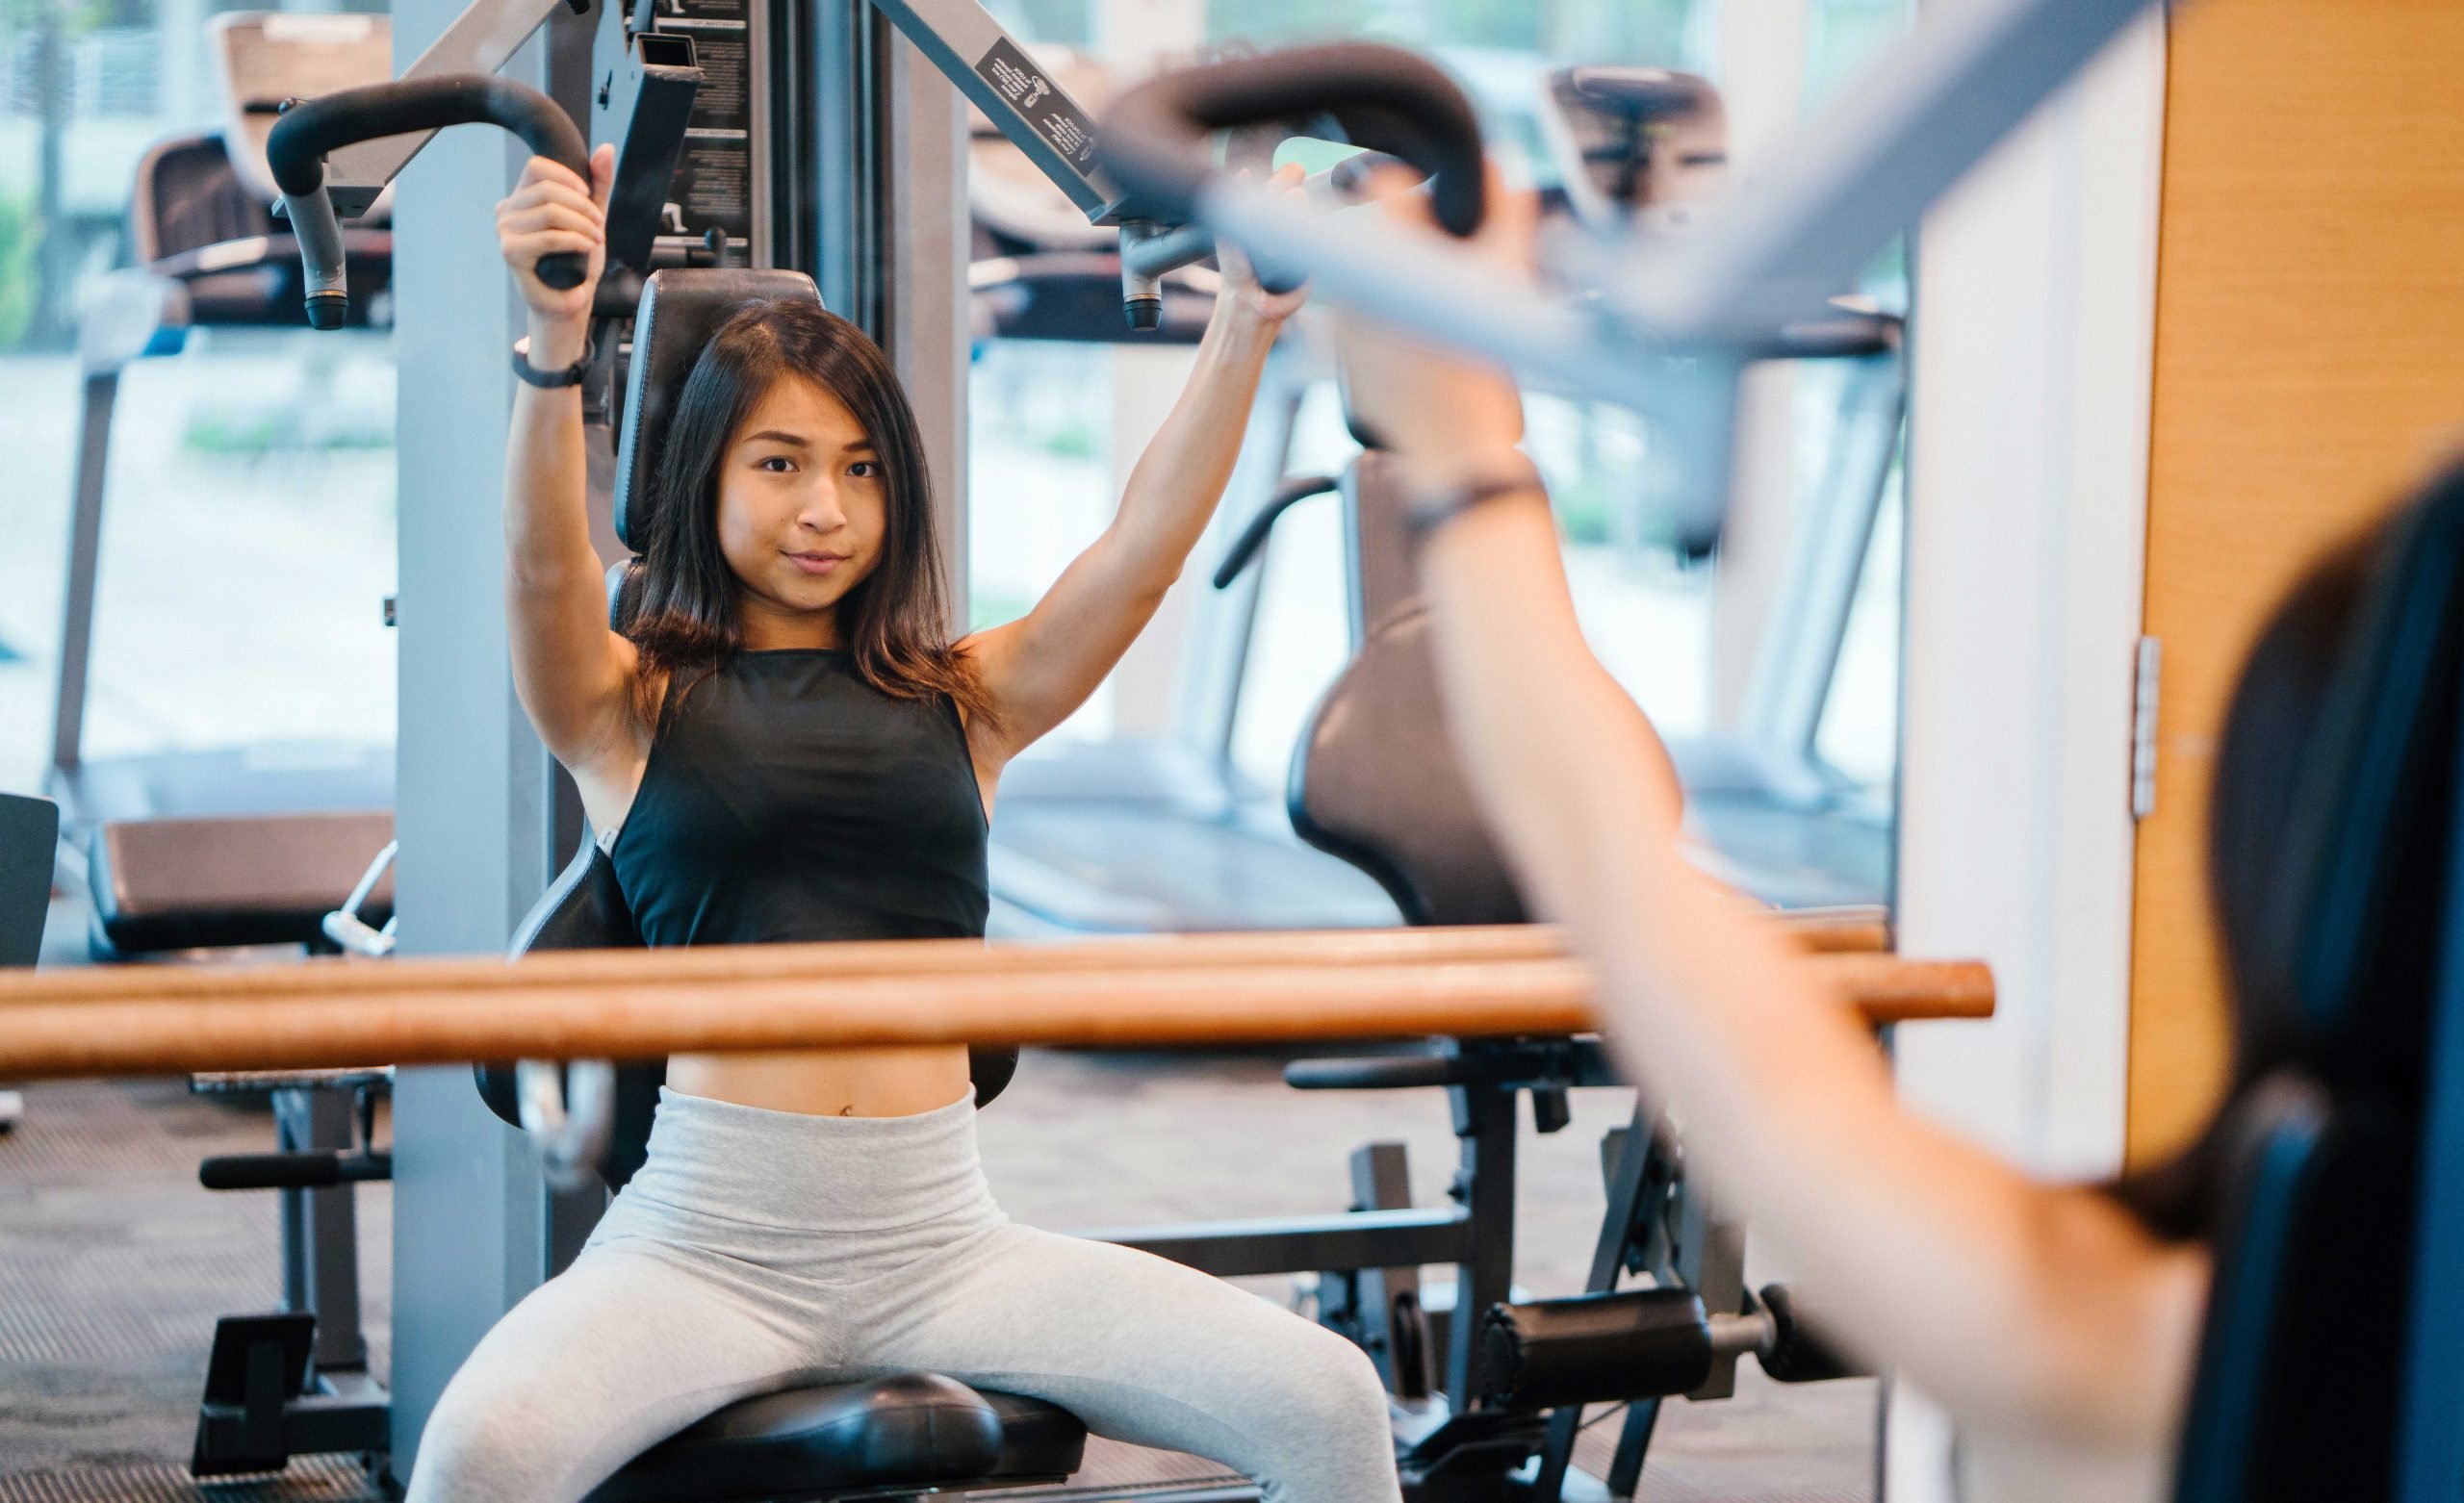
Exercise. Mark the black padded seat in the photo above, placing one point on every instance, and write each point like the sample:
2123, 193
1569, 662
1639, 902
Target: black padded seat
855, 1440
162, 884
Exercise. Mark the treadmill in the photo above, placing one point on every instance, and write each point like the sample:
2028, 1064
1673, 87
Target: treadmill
250, 845
1150, 834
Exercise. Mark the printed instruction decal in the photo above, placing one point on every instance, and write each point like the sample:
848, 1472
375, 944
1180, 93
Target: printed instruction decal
1039, 101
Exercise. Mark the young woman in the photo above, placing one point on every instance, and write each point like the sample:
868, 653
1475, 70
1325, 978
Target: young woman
2058, 1323
788, 746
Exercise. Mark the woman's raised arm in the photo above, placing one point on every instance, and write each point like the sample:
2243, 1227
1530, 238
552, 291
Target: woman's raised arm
2030, 1306
573, 675
1039, 668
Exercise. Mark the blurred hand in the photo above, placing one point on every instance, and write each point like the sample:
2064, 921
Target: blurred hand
549, 211
1444, 416
1241, 279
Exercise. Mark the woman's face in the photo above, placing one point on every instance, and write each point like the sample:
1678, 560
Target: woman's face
803, 505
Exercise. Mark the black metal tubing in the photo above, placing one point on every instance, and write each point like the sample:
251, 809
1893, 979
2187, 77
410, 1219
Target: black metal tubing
649, 104
1303, 1245
1638, 1178
1294, 490
1485, 1125
310, 131
1554, 1064
310, 1425
1476, 1233
1153, 140
297, 148
293, 1171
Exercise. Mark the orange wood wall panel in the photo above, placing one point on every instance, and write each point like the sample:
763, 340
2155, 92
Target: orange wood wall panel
2309, 365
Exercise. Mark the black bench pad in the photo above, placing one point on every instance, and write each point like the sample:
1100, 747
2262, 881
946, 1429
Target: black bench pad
838, 1439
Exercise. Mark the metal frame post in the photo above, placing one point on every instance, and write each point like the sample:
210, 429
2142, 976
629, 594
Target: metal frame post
1639, 1183
925, 309
321, 1228
1485, 1126
1793, 672
470, 1223
99, 395
1215, 654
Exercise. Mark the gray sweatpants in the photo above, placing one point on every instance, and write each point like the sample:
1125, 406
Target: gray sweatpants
760, 1249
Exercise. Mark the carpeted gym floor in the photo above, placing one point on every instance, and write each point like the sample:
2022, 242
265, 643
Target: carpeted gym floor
115, 1263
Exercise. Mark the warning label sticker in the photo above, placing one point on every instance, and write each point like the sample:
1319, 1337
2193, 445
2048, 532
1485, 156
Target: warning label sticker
1039, 102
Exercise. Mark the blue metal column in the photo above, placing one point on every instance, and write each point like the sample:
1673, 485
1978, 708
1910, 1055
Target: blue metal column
472, 779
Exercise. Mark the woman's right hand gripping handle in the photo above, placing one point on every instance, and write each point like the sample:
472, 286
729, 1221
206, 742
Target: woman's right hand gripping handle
550, 212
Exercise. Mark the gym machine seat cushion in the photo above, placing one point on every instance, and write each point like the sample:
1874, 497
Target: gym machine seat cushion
256, 879
1374, 779
191, 221
917, 1430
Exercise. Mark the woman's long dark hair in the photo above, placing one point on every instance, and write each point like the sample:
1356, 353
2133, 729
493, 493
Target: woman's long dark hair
2271, 735
896, 622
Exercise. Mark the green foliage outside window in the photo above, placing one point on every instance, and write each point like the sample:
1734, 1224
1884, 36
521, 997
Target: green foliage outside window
20, 242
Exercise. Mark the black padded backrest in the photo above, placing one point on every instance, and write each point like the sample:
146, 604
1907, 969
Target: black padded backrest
29, 840
623, 592
2300, 1359
679, 313
187, 196
584, 909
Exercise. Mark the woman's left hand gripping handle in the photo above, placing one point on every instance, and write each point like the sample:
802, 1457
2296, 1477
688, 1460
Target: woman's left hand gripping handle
553, 213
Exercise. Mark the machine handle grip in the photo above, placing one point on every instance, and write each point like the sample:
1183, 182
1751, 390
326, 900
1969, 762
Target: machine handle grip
1795, 1352
300, 141
569, 1112
1153, 140
311, 1169
1294, 490
1400, 1072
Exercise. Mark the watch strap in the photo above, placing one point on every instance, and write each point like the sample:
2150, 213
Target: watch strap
551, 380
1429, 509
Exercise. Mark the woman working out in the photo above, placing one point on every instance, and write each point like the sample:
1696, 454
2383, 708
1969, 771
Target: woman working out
2058, 1323
788, 746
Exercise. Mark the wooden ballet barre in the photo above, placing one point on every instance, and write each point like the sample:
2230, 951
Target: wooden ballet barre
659, 1009
1841, 932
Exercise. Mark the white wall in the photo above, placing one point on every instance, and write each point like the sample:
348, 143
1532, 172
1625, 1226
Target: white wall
2028, 462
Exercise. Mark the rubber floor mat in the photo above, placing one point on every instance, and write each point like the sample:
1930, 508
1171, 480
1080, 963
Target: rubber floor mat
317, 1479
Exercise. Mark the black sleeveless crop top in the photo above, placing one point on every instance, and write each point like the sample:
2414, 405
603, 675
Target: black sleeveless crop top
788, 800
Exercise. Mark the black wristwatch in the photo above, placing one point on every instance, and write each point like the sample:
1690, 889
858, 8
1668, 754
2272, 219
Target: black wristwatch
1427, 510
551, 380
